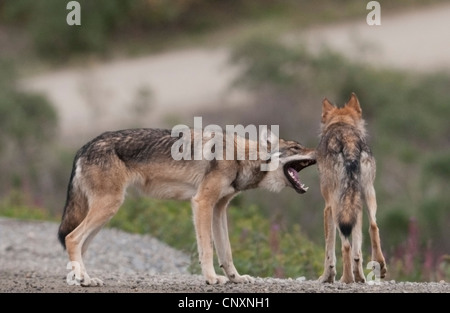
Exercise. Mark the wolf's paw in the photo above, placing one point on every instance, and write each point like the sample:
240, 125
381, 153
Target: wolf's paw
383, 269
96, 282
328, 275
359, 276
326, 279
91, 282
360, 279
379, 268
217, 280
349, 279
239, 279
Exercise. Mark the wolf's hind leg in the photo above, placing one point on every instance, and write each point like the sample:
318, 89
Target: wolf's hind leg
100, 212
329, 272
377, 254
357, 257
347, 273
368, 172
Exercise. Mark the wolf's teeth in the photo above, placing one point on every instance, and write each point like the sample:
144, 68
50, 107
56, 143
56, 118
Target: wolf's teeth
306, 188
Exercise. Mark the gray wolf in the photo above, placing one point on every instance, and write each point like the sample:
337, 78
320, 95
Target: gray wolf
106, 166
347, 173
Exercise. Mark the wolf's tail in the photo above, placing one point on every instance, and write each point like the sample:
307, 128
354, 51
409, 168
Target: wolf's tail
350, 193
76, 207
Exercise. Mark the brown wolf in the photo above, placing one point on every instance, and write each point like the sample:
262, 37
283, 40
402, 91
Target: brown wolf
104, 168
347, 172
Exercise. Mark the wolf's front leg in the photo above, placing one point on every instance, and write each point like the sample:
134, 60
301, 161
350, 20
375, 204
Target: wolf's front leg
222, 242
202, 210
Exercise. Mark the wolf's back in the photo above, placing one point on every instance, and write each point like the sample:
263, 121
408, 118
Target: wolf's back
340, 149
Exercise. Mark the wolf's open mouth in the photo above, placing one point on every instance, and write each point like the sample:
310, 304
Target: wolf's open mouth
291, 170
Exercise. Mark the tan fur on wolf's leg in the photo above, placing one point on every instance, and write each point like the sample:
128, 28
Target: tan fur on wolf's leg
368, 169
74, 245
377, 254
357, 257
202, 206
101, 211
222, 242
347, 274
329, 272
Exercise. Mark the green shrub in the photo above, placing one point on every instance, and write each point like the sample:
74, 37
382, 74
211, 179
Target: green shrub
260, 248
27, 128
16, 205
270, 249
169, 221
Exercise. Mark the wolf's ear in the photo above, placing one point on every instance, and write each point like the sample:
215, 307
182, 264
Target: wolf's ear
326, 107
354, 103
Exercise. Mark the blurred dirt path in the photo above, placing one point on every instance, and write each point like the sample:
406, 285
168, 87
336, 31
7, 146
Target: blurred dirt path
415, 40
168, 88
148, 91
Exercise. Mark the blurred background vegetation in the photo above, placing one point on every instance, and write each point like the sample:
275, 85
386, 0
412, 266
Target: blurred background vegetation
271, 235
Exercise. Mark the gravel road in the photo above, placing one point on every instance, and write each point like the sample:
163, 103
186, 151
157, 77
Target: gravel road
33, 261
